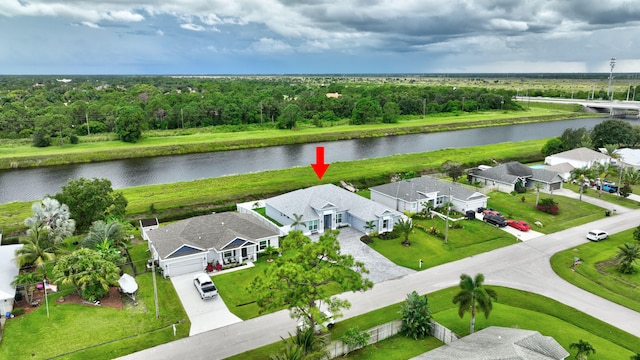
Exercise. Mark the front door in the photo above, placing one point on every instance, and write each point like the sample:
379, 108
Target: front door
327, 221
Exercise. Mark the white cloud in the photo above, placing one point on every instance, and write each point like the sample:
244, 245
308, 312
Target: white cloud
504, 24
266, 45
90, 24
192, 27
160, 32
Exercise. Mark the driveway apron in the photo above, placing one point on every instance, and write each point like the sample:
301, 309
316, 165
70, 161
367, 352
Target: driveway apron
204, 315
380, 268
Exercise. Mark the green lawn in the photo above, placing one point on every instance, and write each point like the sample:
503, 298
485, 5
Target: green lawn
612, 198
597, 273
515, 308
476, 237
572, 212
90, 332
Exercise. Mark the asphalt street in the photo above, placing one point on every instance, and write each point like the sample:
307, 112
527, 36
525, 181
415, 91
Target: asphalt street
524, 265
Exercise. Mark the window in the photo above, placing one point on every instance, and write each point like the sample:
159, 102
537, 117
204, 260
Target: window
313, 225
339, 218
263, 244
440, 200
385, 224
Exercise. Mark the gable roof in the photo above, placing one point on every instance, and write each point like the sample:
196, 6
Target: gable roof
306, 201
564, 167
582, 154
412, 190
496, 343
510, 172
201, 233
8, 270
545, 175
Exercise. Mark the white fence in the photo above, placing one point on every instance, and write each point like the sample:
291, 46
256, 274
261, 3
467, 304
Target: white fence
247, 208
384, 331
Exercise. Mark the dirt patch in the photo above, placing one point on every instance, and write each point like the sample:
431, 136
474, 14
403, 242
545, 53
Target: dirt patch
113, 299
602, 266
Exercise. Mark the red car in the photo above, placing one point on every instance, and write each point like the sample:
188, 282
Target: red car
520, 225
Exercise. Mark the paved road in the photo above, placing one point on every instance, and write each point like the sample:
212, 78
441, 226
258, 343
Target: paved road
522, 266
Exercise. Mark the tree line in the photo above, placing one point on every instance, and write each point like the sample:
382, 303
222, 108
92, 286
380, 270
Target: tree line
52, 112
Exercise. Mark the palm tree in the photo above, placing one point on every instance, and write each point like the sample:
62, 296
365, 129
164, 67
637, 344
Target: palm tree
603, 171
473, 297
53, 217
28, 280
37, 250
369, 226
297, 220
304, 345
405, 227
112, 230
627, 255
584, 349
579, 175
538, 186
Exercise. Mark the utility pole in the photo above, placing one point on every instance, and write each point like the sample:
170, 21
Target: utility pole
46, 299
424, 107
155, 286
88, 129
612, 63
446, 226
182, 116
628, 91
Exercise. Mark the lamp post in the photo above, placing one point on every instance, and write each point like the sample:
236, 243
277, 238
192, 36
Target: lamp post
612, 63
446, 225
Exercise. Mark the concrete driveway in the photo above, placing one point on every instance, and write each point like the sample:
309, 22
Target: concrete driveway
204, 315
380, 268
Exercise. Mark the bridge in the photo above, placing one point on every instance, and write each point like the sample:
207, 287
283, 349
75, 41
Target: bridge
614, 108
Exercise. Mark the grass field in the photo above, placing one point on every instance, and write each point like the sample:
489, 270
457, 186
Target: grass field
597, 273
514, 308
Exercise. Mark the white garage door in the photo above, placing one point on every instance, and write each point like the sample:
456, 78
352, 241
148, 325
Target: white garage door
181, 267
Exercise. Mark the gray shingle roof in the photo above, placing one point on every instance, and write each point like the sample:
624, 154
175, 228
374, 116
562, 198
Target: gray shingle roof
502, 343
410, 189
545, 175
304, 201
510, 172
208, 232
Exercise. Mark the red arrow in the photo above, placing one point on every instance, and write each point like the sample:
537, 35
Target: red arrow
320, 167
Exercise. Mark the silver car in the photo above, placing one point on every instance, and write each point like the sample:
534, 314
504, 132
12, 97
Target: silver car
205, 286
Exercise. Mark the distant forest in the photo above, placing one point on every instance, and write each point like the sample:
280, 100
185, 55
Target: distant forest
52, 110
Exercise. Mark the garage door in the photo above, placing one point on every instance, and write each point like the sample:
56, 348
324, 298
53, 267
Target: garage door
181, 267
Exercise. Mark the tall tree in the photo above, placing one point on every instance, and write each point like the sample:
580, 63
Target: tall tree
580, 175
298, 279
627, 255
88, 271
91, 200
453, 169
129, 123
53, 217
416, 316
612, 131
297, 221
290, 117
473, 298
583, 348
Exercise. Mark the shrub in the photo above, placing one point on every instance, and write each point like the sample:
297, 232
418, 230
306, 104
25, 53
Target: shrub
548, 205
354, 339
17, 311
73, 139
41, 139
416, 316
366, 239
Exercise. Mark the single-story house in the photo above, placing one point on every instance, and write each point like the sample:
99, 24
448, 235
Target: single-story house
413, 195
630, 158
504, 177
563, 169
147, 225
578, 158
8, 272
189, 245
497, 343
328, 206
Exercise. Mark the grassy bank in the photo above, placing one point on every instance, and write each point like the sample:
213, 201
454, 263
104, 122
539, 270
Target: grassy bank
18, 154
200, 196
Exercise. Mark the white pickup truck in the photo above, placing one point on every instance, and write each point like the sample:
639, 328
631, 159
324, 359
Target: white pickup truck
205, 286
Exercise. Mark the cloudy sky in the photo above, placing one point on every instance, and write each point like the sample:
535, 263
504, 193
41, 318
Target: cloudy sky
317, 36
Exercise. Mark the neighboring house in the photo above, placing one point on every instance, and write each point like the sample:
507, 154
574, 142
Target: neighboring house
578, 158
333, 95
8, 272
328, 206
563, 169
630, 158
415, 194
189, 245
147, 225
497, 343
504, 177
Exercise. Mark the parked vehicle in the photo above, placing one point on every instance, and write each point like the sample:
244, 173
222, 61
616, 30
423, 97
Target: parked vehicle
612, 188
496, 220
597, 235
491, 212
205, 286
520, 225
328, 323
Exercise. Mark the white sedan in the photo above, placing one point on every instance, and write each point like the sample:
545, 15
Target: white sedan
597, 235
